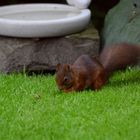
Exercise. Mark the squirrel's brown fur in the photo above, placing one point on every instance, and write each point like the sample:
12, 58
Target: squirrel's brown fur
94, 72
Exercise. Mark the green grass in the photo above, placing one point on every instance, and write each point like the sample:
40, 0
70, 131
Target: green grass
32, 108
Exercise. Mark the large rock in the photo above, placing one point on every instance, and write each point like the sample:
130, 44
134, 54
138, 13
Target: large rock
122, 23
35, 55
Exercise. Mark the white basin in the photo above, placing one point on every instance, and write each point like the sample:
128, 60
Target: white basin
82, 4
42, 20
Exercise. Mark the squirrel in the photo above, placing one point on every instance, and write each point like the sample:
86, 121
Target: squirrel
94, 72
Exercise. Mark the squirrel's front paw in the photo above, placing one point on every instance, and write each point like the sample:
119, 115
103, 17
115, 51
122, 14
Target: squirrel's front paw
68, 90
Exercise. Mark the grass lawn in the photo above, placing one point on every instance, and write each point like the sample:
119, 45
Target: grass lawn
32, 108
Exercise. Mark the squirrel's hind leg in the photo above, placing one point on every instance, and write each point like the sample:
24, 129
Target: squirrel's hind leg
99, 80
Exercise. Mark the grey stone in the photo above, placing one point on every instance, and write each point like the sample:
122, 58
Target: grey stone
33, 55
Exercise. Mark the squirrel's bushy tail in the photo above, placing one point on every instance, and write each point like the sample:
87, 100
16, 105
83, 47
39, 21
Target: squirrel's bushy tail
119, 56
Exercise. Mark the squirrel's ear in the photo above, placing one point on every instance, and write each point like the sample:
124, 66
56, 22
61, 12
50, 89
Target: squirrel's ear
58, 66
68, 66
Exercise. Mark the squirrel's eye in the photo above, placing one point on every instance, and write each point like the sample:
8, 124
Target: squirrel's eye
65, 79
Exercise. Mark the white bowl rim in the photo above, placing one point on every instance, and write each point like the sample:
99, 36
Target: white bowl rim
83, 12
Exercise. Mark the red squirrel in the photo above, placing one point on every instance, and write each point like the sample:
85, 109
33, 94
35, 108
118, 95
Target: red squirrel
94, 72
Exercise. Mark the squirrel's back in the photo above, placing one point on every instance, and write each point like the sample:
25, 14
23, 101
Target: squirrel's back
119, 56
